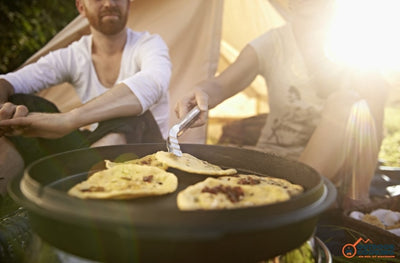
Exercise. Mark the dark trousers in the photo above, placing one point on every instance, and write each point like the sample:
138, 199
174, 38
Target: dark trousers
137, 129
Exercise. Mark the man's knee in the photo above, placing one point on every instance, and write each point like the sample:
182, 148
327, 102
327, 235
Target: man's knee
339, 105
111, 139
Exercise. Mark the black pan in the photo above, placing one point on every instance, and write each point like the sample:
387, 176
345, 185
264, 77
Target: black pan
152, 229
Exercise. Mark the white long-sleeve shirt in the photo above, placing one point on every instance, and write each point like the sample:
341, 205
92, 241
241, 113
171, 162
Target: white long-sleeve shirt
145, 69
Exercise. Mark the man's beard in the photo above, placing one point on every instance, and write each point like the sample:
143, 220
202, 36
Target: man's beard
108, 27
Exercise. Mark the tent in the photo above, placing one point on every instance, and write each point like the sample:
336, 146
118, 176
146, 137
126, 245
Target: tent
203, 36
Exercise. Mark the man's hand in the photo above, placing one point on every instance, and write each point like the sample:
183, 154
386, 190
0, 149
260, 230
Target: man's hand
44, 125
11, 111
198, 97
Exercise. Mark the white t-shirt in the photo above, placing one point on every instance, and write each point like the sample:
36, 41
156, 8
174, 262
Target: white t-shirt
145, 69
295, 108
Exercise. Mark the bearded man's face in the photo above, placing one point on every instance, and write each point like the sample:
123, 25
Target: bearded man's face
108, 19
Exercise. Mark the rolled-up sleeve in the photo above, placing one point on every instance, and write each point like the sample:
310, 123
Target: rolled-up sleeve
151, 82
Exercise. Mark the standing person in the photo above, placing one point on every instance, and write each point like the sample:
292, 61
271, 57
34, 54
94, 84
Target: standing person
120, 75
311, 99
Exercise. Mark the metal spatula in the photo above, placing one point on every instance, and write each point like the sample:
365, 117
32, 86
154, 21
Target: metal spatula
178, 129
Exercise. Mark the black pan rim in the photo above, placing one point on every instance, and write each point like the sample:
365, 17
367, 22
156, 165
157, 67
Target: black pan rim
328, 194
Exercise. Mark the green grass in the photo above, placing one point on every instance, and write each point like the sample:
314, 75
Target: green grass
390, 149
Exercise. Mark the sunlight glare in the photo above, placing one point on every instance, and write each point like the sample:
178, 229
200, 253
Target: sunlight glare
360, 149
364, 34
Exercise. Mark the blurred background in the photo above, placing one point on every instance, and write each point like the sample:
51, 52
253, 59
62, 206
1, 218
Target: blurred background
26, 26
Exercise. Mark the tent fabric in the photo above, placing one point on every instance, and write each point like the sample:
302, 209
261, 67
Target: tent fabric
203, 36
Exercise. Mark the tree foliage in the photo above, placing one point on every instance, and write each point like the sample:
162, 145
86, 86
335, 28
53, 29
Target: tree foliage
26, 26
390, 149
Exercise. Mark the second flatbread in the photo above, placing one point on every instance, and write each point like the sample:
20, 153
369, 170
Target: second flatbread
249, 179
191, 164
149, 160
212, 194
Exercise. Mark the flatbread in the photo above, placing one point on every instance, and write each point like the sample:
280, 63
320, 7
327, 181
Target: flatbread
191, 164
373, 220
126, 181
250, 179
149, 160
212, 194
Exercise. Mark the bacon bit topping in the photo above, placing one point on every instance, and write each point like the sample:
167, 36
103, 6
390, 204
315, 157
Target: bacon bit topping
145, 162
249, 181
234, 194
94, 189
148, 179
272, 182
126, 178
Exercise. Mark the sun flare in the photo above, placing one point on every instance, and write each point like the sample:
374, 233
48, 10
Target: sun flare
360, 148
364, 34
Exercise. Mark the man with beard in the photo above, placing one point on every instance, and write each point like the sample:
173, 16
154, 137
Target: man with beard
121, 77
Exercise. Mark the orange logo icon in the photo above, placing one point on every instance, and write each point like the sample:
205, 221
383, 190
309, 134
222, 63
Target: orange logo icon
350, 250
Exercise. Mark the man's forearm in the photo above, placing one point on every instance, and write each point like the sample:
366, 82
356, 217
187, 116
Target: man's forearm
235, 78
6, 90
119, 101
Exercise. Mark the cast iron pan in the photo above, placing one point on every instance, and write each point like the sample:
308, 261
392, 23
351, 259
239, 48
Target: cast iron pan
152, 229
